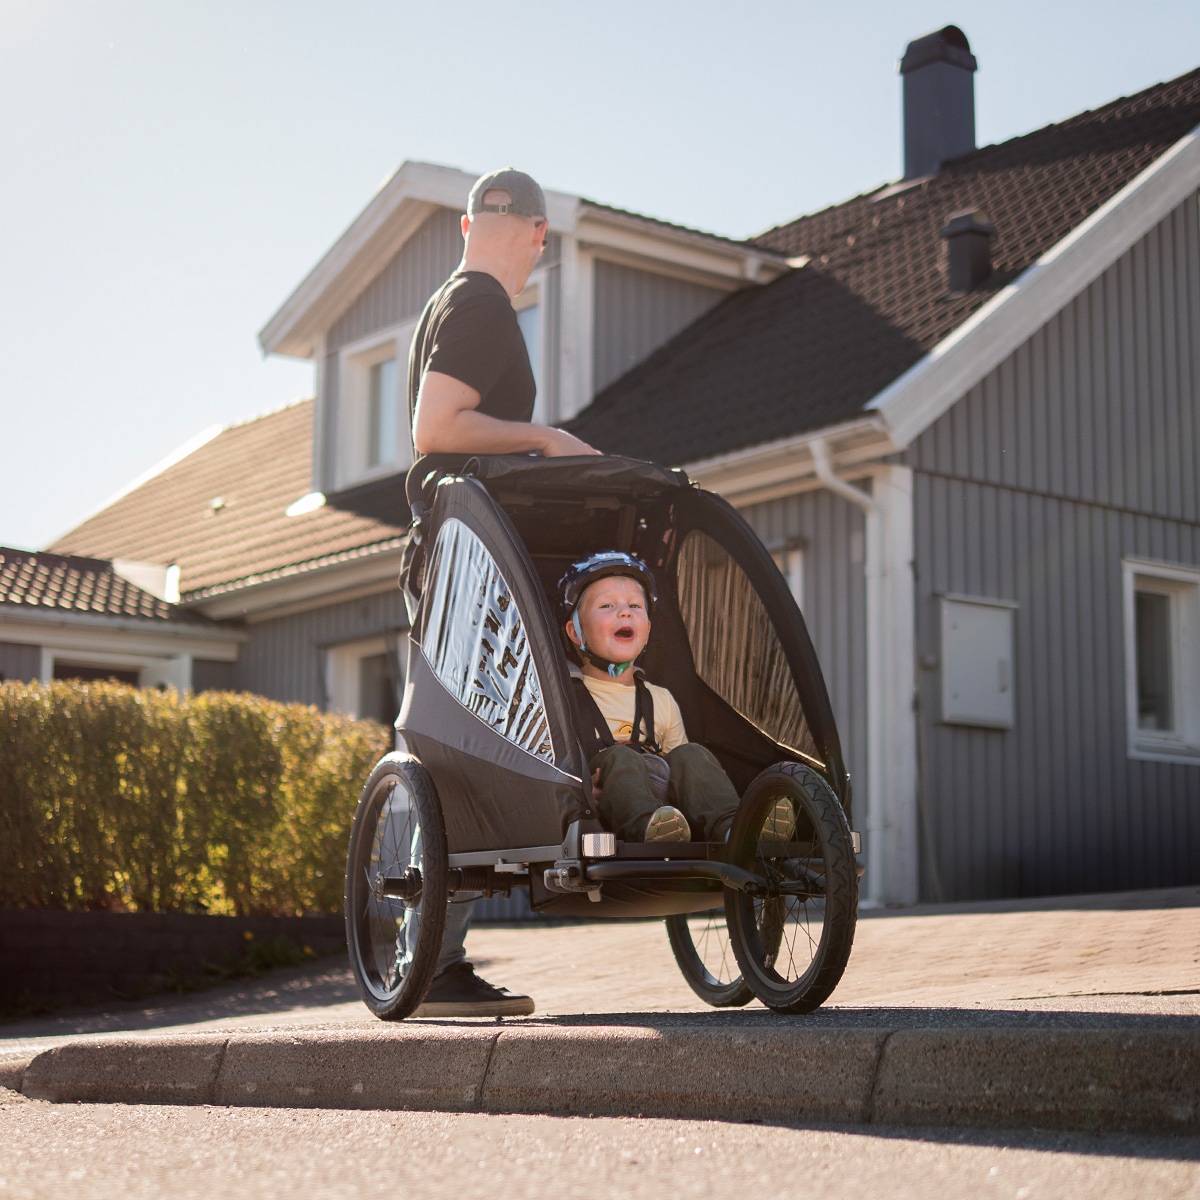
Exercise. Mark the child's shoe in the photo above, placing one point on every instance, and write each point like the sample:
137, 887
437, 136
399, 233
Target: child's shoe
780, 823
667, 824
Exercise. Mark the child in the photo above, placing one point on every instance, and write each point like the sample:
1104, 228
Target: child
607, 602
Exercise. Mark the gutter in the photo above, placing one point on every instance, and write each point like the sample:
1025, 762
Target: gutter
824, 471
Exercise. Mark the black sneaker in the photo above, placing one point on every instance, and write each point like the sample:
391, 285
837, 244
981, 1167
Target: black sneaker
459, 992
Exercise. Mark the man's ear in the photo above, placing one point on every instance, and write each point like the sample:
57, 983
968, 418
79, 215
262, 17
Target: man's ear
572, 636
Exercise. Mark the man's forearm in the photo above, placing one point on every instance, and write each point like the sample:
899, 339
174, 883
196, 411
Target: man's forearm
470, 432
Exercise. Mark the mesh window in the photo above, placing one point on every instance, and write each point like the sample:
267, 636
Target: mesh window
475, 641
735, 646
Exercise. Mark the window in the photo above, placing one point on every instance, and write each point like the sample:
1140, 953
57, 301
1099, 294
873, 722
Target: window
790, 562
365, 679
1162, 660
372, 434
383, 400
529, 319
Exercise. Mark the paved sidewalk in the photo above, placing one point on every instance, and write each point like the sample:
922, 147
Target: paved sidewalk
1117, 976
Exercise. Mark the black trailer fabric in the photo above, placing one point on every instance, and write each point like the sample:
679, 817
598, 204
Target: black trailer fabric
488, 707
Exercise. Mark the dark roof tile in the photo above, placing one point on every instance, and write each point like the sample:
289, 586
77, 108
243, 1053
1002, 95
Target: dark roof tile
813, 347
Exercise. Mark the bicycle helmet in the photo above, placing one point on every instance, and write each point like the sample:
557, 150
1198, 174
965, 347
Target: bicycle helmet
580, 575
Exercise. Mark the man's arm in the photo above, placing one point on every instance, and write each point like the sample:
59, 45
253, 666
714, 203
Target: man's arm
447, 422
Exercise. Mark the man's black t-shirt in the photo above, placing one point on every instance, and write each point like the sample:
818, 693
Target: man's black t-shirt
469, 331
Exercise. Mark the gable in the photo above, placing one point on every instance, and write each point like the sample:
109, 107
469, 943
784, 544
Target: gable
1102, 402
871, 303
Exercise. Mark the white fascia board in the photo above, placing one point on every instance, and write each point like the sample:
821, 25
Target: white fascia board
305, 587
394, 214
711, 260
778, 468
91, 632
911, 403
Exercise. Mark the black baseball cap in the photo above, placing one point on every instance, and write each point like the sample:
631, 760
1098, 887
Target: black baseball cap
527, 198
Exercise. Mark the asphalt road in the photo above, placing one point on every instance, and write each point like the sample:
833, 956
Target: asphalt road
95, 1151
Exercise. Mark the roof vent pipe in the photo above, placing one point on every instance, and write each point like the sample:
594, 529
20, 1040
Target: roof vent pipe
939, 100
968, 237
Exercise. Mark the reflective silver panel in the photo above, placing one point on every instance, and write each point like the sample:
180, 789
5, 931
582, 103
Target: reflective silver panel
474, 639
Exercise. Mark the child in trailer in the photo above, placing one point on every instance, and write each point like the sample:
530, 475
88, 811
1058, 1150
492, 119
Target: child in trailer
653, 785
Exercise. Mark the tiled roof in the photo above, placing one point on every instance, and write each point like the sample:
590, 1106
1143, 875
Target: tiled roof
813, 347
68, 583
220, 513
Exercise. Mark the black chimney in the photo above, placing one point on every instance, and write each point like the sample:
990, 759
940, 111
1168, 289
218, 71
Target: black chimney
968, 237
939, 100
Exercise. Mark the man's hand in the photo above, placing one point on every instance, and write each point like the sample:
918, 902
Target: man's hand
560, 444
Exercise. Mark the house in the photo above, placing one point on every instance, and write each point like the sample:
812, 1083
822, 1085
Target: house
287, 530
969, 425
962, 410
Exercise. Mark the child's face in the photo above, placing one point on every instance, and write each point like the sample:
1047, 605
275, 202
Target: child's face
613, 615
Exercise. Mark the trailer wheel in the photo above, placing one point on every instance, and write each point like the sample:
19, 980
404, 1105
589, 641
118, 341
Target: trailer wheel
700, 943
793, 947
396, 887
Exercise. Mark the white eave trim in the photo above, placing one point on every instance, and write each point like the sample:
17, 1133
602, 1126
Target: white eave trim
911, 403
788, 465
394, 214
647, 242
307, 585
38, 626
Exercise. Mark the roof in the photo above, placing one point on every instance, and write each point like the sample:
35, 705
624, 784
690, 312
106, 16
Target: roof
220, 512
812, 348
69, 583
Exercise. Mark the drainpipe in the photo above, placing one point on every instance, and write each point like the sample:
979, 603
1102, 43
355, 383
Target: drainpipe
890, 792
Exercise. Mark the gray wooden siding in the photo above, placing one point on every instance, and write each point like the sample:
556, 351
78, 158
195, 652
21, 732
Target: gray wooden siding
284, 659
636, 312
19, 662
831, 531
551, 298
410, 278
1054, 805
1101, 403
1080, 449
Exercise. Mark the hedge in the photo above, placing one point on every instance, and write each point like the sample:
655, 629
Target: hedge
121, 799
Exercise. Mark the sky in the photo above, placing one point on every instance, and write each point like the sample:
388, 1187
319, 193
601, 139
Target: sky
169, 172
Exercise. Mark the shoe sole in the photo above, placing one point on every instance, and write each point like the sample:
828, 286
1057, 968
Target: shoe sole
670, 828
518, 1006
781, 824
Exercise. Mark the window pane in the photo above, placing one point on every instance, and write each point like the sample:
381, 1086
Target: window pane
377, 698
734, 644
381, 413
1152, 614
531, 331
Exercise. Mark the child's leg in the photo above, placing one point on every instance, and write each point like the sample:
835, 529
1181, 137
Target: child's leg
702, 791
625, 802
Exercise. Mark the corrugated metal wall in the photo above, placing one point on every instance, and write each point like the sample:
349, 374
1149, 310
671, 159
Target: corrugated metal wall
1079, 449
400, 290
284, 658
831, 531
19, 662
635, 313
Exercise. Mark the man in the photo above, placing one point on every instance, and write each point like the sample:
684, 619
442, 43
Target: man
471, 391
470, 385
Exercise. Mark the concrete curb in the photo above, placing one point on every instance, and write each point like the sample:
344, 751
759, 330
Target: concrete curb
1100, 1080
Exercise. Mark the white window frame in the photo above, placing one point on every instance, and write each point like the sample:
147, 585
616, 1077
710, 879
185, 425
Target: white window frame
355, 361
343, 670
533, 296
1181, 584
173, 672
